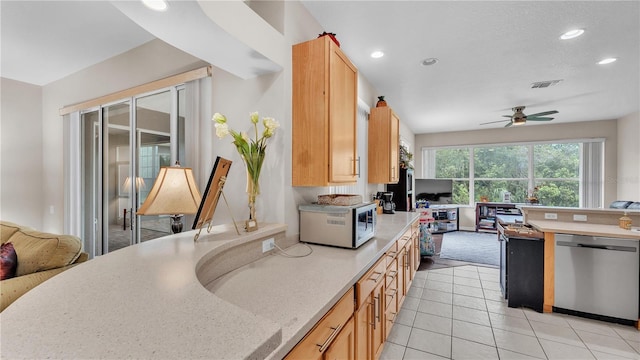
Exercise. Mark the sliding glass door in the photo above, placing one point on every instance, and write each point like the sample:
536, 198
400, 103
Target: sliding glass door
120, 166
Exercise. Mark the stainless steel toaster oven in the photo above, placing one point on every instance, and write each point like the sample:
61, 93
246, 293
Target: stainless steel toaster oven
341, 226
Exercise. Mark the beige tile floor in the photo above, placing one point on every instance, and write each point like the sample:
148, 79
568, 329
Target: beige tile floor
458, 313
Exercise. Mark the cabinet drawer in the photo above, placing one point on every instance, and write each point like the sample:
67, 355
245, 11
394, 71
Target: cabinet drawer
390, 316
404, 239
392, 273
321, 336
415, 227
370, 280
391, 254
391, 292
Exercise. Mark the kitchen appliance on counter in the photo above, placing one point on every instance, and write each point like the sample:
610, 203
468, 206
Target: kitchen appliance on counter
597, 276
341, 226
388, 207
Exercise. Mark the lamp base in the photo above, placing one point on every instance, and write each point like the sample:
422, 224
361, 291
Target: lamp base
176, 223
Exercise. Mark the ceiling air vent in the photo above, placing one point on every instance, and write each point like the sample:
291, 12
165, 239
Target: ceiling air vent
544, 84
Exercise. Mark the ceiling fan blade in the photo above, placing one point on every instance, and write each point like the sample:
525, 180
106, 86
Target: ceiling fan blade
539, 119
509, 124
507, 116
493, 122
543, 113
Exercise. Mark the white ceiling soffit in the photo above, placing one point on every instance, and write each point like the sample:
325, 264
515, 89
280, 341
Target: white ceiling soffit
41, 39
185, 26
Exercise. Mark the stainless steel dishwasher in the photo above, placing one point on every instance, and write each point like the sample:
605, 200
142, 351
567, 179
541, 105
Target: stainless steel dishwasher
597, 275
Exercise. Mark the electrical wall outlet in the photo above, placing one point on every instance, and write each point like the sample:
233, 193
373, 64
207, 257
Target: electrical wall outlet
268, 245
577, 217
551, 216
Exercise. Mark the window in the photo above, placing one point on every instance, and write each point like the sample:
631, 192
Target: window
561, 174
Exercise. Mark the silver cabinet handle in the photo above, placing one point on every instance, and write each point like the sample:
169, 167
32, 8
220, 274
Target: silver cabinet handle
395, 291
376, 308
327, 342
392, 319
392, 274
377, 278
373, 314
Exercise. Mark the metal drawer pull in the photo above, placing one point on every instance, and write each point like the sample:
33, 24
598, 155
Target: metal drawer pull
392, 254
378, 278
394, 317
333, 335
395, 291
377, 308
392, 274
373, 314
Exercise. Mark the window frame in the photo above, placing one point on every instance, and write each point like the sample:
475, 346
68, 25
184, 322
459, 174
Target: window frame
585, 195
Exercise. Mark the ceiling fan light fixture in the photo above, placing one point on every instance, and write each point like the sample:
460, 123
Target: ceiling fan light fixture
157, 5
519, 121
572, 34
607, 61
429, 61
377, 54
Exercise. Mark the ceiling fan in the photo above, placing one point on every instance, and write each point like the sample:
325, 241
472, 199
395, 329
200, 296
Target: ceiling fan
519, 118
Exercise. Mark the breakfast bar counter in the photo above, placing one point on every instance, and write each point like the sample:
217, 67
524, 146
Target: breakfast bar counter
551, 228
580, 228
150, 301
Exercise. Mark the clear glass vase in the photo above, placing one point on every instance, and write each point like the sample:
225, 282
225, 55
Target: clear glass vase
253, 190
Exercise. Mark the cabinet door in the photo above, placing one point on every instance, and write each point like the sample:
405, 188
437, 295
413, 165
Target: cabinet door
383, 154
343, 346
324, 100
378, 335
364, 330
394, 147
343, 81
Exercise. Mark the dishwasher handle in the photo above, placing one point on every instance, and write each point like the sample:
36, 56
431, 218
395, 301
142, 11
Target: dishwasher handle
595, 246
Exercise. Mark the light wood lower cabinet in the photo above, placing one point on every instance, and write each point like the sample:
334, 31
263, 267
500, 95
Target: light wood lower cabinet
370, 299
336, 324
358, 328
344, 345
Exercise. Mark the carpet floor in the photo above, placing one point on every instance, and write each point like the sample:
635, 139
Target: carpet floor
479, 248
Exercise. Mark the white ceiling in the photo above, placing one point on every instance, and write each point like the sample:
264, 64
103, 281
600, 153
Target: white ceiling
489, 51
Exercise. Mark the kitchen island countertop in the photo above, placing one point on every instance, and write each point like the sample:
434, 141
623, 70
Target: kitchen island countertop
146, 301
584, 228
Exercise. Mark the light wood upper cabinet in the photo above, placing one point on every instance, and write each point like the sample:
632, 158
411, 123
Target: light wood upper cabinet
384, 138
324, 115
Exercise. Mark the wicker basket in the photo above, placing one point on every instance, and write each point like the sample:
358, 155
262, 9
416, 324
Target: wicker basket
339, 199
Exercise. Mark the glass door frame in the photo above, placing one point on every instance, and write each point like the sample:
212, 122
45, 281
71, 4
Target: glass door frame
100, 212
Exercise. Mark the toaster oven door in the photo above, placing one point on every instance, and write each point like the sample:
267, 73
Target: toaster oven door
365, 224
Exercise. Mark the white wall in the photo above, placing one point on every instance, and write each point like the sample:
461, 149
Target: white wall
606, 129
270, 95
628, 179
21, 177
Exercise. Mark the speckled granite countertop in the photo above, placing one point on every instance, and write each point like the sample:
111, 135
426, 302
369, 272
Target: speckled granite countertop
582, 228
145, 301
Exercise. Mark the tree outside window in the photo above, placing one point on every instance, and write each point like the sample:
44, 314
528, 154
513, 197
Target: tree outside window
553, 168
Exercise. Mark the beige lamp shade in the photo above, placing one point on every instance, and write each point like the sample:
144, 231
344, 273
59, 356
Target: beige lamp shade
174, 192
139, 183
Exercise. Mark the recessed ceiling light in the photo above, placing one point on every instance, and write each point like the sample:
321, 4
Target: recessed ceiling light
377, 54
157, 5
606, 61
429, 61
571, 34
